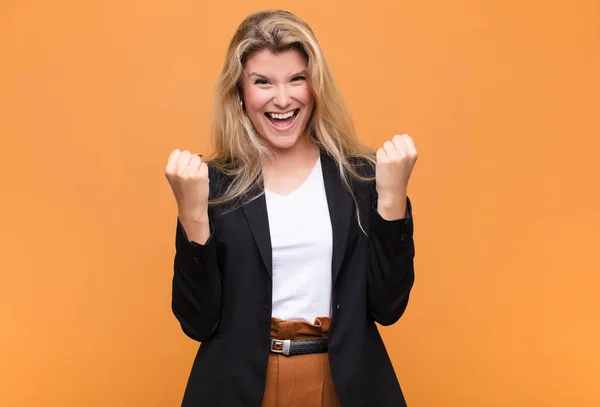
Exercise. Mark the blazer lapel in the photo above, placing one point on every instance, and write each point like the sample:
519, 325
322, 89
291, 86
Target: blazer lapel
257, 217
340, 205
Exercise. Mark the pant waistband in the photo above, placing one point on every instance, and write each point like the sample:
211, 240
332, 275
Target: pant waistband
300, 330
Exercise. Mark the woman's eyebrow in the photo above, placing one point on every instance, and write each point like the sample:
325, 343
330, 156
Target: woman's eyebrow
266, 77
257, 74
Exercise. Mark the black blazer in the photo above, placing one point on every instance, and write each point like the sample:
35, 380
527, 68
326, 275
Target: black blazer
222, 298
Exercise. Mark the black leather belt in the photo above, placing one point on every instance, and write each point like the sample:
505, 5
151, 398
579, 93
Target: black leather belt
290, 347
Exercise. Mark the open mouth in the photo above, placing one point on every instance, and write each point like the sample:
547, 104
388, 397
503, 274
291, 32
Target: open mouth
283, 122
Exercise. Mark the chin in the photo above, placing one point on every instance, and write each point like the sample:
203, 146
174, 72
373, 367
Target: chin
282, 142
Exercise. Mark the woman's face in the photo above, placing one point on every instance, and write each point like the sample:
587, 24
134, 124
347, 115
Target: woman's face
276, 96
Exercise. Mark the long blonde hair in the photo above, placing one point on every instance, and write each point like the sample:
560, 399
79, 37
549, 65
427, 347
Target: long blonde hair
238, 149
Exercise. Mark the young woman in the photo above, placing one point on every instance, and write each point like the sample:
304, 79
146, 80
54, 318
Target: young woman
293, 239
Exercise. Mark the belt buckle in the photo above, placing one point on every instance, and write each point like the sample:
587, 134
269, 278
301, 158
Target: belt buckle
280, 346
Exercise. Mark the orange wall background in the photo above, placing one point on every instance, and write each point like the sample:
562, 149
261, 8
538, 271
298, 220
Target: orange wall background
501, 98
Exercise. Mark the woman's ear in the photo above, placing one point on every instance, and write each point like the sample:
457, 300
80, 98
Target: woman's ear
240, 96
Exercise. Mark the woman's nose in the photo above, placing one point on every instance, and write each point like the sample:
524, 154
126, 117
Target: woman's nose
282, 98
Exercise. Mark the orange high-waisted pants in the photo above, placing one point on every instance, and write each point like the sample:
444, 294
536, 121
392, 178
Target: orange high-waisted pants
299, 380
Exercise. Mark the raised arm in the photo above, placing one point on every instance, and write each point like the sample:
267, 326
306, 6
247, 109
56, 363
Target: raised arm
391, 246
196, 296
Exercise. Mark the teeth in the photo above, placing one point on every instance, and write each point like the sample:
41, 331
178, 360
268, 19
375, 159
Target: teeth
282, 116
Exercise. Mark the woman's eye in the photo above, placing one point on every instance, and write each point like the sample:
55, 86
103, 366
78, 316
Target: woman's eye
265, 82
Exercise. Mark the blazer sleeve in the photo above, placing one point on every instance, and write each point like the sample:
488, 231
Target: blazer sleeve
390, 272
196, 294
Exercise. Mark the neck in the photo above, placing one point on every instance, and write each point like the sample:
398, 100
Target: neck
290, 159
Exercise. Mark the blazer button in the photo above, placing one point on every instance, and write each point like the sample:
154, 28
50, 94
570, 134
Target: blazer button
195, 259
337, 306
403, 237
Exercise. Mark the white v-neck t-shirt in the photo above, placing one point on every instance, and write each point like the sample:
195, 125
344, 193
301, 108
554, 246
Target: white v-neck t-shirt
302, 244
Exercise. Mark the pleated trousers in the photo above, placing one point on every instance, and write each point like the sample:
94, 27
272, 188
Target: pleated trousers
299, 380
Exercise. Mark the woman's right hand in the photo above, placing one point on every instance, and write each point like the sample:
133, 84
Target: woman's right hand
188, 177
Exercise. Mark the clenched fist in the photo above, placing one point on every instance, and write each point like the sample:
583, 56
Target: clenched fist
188, 177
395, 162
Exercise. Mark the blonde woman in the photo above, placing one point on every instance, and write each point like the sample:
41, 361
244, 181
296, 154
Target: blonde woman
293, 238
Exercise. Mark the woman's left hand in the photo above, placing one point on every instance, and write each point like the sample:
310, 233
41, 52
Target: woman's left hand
395, 162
